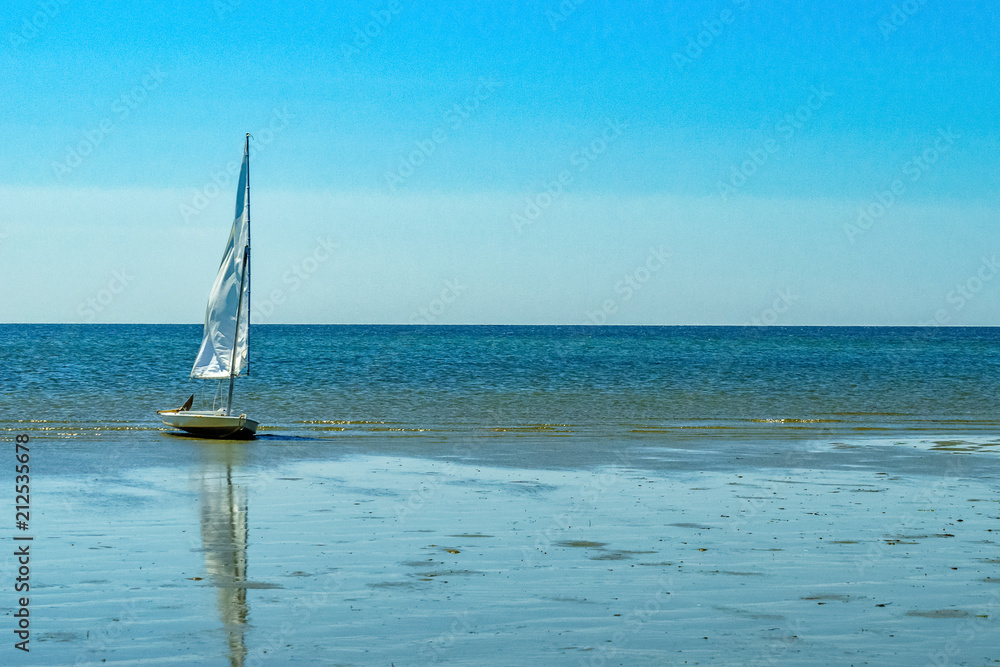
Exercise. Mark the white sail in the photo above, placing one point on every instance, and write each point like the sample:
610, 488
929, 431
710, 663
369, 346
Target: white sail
216, 356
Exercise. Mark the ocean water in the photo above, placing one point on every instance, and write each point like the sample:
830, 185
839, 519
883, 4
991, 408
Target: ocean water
510, 495
611, 381
562, 396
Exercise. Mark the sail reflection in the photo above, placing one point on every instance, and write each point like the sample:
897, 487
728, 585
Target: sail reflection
224, 539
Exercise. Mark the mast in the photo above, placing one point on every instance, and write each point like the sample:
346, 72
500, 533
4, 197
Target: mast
244, 280
247, 251
236, 337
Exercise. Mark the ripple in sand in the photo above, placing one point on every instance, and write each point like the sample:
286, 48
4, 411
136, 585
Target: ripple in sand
426, 576
746, 613
582, 543
829, 596
392, 584
939, 613
909, 539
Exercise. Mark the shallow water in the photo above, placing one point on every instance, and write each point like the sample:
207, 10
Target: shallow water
383, 559
513, 496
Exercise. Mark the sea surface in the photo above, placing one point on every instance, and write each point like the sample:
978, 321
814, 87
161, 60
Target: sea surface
494, 495
604, 381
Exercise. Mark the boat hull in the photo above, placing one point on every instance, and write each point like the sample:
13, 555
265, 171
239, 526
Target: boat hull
211, 424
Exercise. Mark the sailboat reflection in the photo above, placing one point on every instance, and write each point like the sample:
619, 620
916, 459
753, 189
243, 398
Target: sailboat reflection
224, 538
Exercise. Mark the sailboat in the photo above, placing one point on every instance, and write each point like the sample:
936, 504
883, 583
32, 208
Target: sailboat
224, 352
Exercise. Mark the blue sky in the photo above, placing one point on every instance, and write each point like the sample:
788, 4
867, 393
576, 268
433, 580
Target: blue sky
717, 162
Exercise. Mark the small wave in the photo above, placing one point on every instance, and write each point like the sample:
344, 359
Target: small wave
341, 421
874, 414
533, 428
797, 421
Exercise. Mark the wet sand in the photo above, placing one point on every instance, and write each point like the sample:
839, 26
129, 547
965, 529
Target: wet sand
395, 550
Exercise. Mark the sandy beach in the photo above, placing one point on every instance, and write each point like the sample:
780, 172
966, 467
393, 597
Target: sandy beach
409, 549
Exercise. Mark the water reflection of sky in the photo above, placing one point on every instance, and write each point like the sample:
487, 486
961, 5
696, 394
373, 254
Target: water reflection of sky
378, 559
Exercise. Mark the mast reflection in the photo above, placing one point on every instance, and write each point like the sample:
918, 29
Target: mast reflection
224, 539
